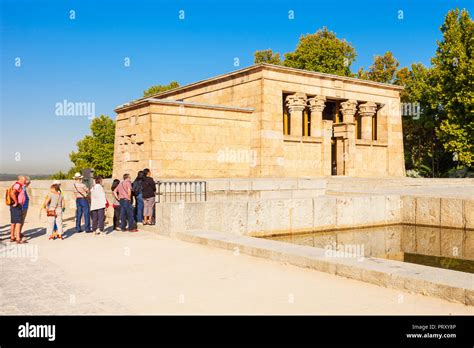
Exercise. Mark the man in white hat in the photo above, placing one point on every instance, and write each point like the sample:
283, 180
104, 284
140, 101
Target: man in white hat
81, 192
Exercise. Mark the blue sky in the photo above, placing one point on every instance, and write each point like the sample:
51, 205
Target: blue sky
82, 60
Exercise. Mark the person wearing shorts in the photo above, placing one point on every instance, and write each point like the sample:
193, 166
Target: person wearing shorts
148, 192
25, 205
16, 212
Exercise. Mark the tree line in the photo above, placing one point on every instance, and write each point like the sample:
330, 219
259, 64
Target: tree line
439, 142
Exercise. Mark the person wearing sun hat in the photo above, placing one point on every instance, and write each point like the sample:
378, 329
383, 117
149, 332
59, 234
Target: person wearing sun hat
81, 192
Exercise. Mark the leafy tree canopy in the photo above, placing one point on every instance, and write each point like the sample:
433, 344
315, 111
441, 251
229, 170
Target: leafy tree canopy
453, 72
322, 52
160, 88
96, 150
267, 56
383, 69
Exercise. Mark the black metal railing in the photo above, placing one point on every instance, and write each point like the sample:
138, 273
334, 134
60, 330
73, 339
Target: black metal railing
181, 191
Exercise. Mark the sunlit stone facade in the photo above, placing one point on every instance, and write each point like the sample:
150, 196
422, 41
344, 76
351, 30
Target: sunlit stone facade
264, 121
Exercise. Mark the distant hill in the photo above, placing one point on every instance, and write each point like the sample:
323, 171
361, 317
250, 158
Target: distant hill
11, 177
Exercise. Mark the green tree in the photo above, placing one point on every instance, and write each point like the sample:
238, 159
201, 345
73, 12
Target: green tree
383, 69
160, 88
322, 52
96, 150
453, 71
267, 56
423, 152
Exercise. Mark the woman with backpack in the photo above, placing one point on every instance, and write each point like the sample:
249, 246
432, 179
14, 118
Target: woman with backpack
53, 204
137, 191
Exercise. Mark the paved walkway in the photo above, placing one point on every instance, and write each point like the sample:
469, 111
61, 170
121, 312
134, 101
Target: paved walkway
144, 273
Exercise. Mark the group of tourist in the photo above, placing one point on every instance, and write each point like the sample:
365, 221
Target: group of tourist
133, 203
142, 192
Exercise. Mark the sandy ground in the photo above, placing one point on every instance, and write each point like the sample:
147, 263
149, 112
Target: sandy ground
144, 273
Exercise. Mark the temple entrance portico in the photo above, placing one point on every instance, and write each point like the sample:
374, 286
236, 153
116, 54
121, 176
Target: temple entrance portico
345, 121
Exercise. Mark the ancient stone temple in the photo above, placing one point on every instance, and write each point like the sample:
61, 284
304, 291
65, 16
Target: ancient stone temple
264, 121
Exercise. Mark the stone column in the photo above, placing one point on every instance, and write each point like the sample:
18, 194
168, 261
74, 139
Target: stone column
367, 112
348, 109
316, 106
326, 148
296, 104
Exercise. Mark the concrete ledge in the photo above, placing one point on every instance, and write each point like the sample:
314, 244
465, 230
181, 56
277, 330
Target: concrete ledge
445, 284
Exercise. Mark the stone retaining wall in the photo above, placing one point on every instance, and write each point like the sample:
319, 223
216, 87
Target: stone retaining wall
280, 216
438, 212
263, 217
217, 189
248, 189
278, 206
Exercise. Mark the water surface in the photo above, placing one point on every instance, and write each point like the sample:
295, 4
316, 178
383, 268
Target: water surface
430, 246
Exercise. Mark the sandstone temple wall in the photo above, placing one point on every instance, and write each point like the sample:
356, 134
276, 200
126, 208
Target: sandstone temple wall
181, 139
183, 132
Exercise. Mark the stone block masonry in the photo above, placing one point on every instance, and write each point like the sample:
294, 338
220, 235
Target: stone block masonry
264, 121
262, 217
